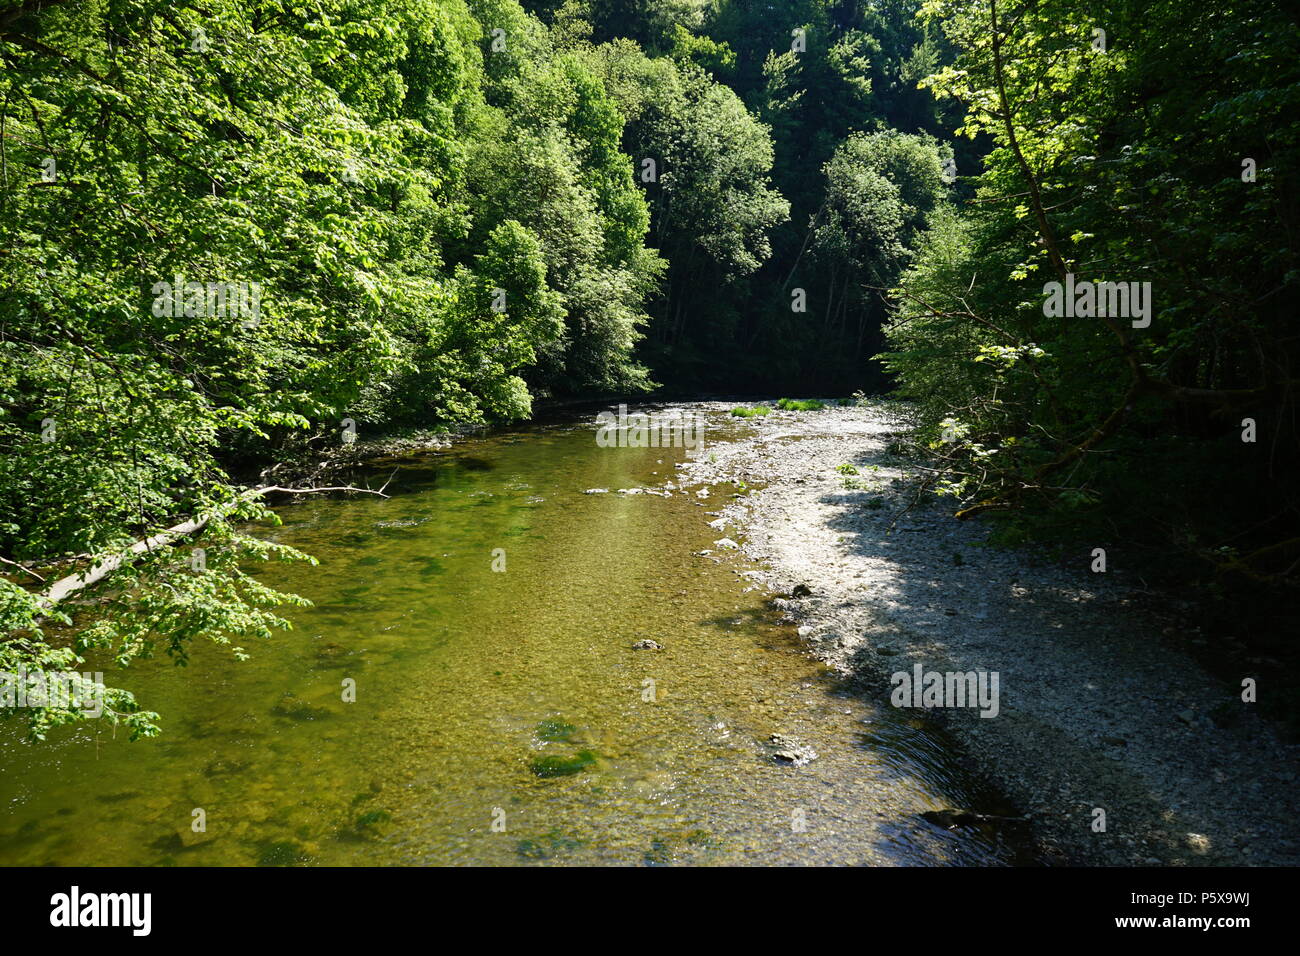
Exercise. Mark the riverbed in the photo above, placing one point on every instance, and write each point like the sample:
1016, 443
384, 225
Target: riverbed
484, 618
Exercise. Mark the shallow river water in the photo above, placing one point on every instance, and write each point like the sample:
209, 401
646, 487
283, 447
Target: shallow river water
501, 717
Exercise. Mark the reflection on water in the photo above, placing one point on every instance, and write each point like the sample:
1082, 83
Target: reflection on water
500, 717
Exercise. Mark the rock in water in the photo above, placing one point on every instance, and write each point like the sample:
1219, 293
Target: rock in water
790, 751
547, 767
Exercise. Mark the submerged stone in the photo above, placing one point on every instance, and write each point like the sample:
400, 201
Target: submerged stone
555, 766
547, 847
333, 655
295, 708
282, 853
373, 817
224, 768
659, 854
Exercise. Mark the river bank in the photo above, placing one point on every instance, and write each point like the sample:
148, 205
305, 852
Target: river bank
1096, 713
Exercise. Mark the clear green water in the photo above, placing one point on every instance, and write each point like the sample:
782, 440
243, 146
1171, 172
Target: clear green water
467, 678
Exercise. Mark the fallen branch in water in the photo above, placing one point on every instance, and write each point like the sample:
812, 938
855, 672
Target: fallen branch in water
73, 583
25, 570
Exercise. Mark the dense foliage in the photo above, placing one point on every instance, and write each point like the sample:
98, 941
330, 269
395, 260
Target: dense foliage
1153, 143
233, 231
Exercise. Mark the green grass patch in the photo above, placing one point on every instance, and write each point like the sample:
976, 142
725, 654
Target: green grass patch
800, 405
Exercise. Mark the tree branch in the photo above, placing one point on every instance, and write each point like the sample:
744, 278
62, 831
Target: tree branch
73, 583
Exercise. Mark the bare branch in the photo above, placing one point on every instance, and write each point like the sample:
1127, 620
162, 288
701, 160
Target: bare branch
15, 564
77, 582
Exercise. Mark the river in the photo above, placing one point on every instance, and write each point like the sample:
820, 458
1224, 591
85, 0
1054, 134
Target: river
500, 716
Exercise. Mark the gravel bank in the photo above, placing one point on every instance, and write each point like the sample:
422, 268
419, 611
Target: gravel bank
1094, 711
